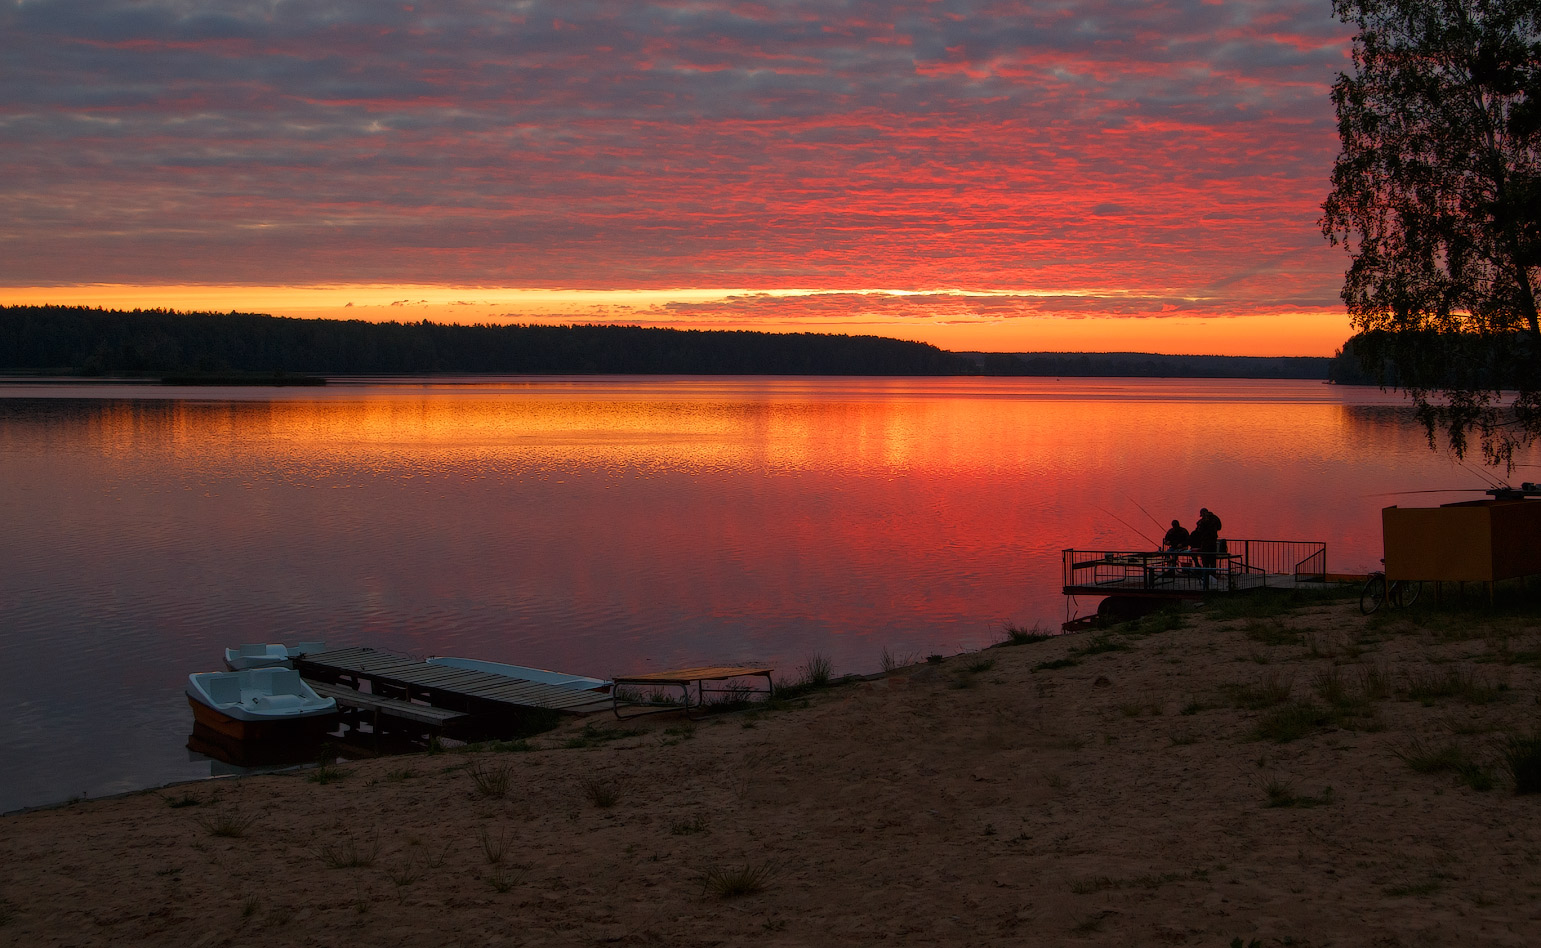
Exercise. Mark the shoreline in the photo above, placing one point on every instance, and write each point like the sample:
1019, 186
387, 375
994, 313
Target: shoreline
1309, 778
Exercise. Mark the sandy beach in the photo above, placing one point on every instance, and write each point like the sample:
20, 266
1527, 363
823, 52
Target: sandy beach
1311, 778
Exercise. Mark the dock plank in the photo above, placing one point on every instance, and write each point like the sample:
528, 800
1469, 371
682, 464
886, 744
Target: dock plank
488, 685
394, 671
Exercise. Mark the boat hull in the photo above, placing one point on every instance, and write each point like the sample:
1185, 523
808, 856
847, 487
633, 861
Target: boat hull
307, 727
245, 657
236, 756
261, 704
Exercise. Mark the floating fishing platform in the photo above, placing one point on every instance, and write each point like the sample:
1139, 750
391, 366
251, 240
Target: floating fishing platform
1238, 566
399, 694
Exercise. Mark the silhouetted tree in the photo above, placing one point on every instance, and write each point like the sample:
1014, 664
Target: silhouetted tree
1436, 195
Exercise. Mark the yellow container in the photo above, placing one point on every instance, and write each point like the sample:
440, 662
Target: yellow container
1479, 541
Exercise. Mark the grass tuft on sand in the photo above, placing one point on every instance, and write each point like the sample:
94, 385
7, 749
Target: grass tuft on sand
731, 882
1522, 757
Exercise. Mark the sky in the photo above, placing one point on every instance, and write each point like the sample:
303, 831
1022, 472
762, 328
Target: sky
1073, 175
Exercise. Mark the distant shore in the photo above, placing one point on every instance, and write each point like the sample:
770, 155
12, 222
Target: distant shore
161, 343
1303, 777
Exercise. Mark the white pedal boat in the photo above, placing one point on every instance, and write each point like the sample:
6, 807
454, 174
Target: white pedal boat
259, 704
268, 656
524, 673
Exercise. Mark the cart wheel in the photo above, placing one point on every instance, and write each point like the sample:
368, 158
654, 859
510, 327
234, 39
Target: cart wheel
1405, 592
1374, 593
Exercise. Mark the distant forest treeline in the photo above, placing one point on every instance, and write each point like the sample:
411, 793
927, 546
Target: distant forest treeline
1149, 365
110, 342
87, 341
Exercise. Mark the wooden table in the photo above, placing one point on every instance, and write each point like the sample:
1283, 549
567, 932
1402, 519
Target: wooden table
686, 678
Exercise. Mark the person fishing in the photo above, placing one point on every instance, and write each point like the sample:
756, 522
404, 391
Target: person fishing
1177, 540
1206, 539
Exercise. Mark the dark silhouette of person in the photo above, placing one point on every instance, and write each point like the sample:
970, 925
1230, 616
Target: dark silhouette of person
1176, 538
1206, 539
1175, 541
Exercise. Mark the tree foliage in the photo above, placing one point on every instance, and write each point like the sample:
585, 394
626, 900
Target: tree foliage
1436, 195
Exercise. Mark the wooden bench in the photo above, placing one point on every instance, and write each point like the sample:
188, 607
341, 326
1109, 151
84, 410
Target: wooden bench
378, 706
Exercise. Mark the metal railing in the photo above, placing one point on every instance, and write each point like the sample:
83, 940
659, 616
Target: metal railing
1118, 572
1236, 564
1305, 560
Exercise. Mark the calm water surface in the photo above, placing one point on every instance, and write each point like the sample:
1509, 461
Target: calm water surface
609, 525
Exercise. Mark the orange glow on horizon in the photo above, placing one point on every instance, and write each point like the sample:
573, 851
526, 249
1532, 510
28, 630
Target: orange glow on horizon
968, 321
1017, 177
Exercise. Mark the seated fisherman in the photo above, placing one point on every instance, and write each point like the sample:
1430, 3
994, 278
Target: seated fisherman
1176, 541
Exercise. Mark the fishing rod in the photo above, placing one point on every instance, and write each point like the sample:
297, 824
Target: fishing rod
1126, 523
1432, 490
1159, 525
1497, 486
1492, 481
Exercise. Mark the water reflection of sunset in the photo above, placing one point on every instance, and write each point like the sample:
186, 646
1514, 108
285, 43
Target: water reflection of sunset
609, 525
908, 466
868, 429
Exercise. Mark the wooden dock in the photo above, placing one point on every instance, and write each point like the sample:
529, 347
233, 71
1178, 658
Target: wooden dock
434, 699
1241, 566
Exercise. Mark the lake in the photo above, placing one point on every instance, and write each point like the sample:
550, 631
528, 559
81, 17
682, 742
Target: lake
609, 525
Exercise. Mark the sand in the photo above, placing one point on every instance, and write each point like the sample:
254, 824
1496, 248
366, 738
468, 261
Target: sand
987, 799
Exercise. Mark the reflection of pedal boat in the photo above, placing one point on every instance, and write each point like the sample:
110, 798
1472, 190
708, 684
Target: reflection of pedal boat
267, 656
259, 704
230, 756
525, 673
